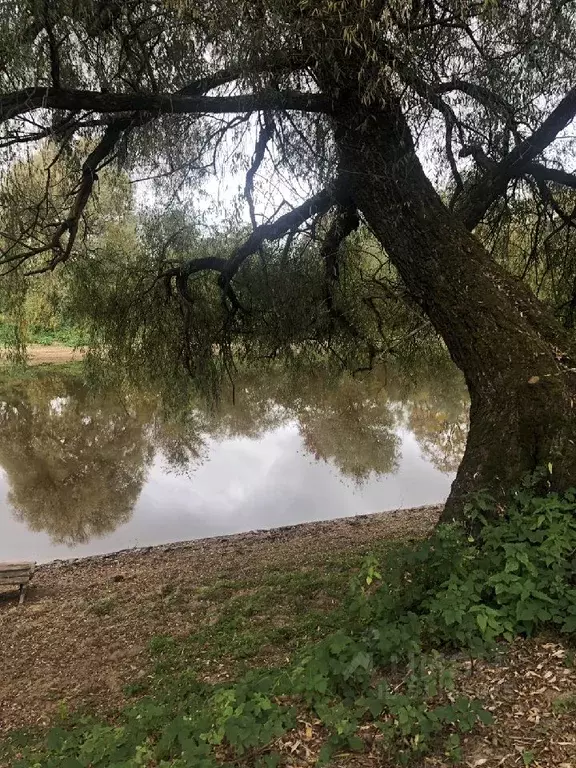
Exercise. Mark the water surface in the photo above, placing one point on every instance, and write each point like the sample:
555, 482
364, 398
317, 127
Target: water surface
86, 472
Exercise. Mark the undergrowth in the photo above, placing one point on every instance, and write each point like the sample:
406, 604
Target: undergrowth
11, 375
381, 676
65, 335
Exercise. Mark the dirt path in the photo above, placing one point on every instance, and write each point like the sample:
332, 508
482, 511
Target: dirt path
41, 354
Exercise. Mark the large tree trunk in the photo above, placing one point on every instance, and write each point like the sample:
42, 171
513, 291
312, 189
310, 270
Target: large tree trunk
517, 361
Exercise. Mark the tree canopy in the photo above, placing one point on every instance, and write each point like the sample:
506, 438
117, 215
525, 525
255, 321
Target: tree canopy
368, 139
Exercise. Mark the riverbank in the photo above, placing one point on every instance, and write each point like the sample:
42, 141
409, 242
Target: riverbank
44, 354
85, 627
92, 630
41, 354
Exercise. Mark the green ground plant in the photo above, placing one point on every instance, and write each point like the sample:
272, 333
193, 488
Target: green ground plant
66, 335
381, 670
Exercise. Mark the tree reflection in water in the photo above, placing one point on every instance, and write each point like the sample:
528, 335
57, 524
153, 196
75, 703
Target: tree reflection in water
77, 459
76, 464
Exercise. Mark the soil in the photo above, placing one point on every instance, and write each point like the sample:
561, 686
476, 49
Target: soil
39, 354
83, 632
42, 354
56, 648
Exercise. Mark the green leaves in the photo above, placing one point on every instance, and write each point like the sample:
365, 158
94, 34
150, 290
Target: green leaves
519, 574
482, 622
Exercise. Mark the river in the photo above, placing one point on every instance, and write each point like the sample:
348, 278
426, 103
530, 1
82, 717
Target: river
86, 471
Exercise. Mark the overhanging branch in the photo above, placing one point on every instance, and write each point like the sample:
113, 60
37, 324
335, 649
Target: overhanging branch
70, 225
132, 111
556, 175
227, 268
281, 61
315, 205
266, 132
482, 95
27, 100
477, 199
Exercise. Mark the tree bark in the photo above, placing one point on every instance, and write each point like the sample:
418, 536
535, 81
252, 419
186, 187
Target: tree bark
518, 362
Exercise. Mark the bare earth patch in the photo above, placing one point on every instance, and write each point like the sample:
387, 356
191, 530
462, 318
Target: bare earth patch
84, 630
532, 694
42, 354
39, 354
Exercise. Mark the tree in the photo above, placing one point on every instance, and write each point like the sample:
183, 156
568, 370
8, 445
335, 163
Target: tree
344, 97
535, 238
33, 193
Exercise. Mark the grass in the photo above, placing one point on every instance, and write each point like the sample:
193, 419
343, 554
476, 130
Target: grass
66, 336
258, 621
254, 622
102, 607
565, 704
13, 374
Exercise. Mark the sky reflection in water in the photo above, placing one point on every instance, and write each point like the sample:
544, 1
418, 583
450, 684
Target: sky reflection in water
86, 473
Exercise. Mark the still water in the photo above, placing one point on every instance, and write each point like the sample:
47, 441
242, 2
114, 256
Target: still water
85, 472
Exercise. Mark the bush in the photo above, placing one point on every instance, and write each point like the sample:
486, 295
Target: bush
61, 334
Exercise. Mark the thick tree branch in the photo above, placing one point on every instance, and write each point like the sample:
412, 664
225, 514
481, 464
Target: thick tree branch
70, 224
345, 221
542, 173
551, 202
52, 46
227, 268
482, 95
21, 102
543, 136
450, 154
477, 199
315, 205
281, 62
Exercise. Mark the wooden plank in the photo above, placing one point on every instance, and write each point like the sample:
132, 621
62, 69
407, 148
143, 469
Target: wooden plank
16, 573
19, 563
19, 574
15, 579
